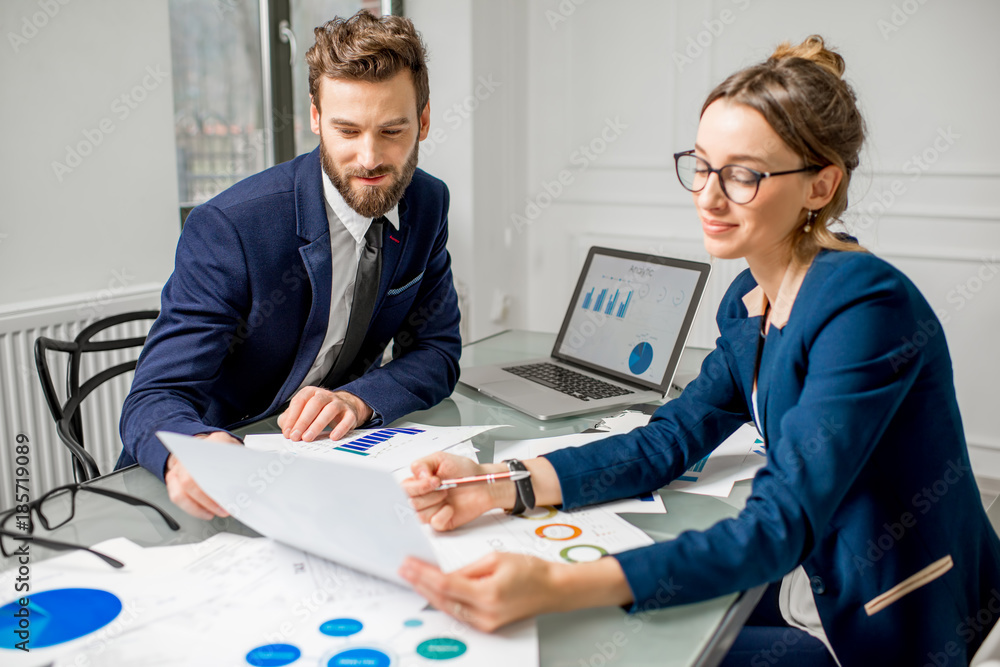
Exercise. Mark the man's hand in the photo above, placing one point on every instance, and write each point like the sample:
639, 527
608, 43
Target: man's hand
313, 408
185, 492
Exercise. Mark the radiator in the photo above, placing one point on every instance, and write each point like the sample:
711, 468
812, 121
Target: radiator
23, 409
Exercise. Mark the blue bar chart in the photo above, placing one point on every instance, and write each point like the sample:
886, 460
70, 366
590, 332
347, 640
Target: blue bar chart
361, 445
600, 300
611, 304
617, 306
622, 309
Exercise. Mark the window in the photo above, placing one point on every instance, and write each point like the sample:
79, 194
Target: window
222, 50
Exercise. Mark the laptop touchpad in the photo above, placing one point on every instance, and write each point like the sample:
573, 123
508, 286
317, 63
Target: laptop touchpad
514, 389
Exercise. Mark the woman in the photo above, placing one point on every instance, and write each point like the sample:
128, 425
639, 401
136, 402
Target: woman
866, 517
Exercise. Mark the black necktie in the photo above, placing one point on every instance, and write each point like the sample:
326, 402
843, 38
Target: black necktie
365, 292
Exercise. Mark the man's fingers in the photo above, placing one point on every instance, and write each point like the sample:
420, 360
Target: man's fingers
308, 414
291, 414
344, 423
325, 416
202, 499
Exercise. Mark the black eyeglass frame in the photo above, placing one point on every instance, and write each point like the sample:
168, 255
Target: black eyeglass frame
35, 508
758, 175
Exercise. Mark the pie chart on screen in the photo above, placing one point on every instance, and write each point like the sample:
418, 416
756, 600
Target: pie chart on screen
640, 358
60, 615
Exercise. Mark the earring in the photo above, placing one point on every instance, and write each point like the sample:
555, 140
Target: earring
810, 221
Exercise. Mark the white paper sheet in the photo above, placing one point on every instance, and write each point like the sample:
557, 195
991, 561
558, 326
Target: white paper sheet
545, 532
346, 511
623, 422
387, 448
739, 457
221, 600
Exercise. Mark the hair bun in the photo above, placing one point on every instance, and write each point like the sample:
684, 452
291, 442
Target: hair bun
813, 49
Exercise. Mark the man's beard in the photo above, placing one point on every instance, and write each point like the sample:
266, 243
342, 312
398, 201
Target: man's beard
371, 201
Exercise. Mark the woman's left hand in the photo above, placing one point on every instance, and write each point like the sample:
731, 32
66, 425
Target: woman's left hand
498, 589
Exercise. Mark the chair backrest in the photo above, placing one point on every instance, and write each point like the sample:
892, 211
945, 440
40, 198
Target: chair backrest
988, 654
69, 425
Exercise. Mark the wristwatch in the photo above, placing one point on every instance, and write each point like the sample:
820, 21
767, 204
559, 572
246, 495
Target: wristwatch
524, 491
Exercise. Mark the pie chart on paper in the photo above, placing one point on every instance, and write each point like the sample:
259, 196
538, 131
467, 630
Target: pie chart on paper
60, 615
640, 358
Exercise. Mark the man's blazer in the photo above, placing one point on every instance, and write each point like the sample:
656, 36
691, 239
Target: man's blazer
246, 309
867, 485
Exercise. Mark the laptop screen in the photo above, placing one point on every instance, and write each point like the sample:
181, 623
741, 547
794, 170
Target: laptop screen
631, 314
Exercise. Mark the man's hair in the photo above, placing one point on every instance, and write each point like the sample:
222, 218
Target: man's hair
368, 48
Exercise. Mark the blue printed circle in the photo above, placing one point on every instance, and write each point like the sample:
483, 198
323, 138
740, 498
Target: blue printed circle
360, 657
413, 623
273, 655
58, 616
341, 627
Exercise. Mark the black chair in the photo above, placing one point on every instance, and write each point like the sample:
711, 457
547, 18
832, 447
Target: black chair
69, 424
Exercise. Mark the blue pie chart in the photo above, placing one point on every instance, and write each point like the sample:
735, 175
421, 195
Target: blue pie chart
58, 616
640, 358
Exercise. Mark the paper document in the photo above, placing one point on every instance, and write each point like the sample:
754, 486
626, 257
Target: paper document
623, 422
739, 457
386, 448
342, 510
563, 537
234, 600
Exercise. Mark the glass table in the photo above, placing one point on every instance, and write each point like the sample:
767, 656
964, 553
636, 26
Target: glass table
695, 634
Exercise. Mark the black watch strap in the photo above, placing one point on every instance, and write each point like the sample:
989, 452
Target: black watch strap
524, 491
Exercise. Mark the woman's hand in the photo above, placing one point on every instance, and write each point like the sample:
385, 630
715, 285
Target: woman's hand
501, 588
498, 589
445, 510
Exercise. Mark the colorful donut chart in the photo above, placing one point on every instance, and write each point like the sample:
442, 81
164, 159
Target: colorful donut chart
557, 532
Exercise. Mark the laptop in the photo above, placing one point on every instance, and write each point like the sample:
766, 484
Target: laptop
619, 344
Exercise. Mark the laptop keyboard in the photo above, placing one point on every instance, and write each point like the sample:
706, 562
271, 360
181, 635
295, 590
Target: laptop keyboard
568, 382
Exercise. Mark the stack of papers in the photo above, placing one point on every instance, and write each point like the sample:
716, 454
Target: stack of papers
233, 600
739, 457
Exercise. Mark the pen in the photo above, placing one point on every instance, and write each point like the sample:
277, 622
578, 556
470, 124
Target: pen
489, 479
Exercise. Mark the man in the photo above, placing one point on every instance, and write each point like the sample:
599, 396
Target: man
290, 284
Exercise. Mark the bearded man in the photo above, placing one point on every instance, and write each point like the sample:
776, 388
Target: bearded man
288, 286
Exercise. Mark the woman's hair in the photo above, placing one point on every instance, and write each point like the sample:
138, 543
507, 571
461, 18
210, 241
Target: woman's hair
365, 47
801, 93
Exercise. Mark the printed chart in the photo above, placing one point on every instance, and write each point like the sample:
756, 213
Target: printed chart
386, 448
391, 633
737, 458
241, 601
59, 616
572, 537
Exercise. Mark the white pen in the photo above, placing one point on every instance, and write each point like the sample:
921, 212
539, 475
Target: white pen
489, 479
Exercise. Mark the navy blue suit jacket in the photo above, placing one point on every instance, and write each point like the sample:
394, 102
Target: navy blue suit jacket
867, 481
246, 309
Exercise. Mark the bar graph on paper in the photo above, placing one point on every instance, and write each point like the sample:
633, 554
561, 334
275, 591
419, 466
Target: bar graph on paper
387, 448
614, 304
363, 445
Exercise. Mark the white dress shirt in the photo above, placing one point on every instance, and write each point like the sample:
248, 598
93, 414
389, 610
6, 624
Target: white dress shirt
347, 241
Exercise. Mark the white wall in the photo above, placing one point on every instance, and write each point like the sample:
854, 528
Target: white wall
477, 145
926, 82
88, 171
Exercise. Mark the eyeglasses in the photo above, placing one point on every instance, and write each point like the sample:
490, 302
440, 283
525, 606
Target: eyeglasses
52, 512
739, 184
